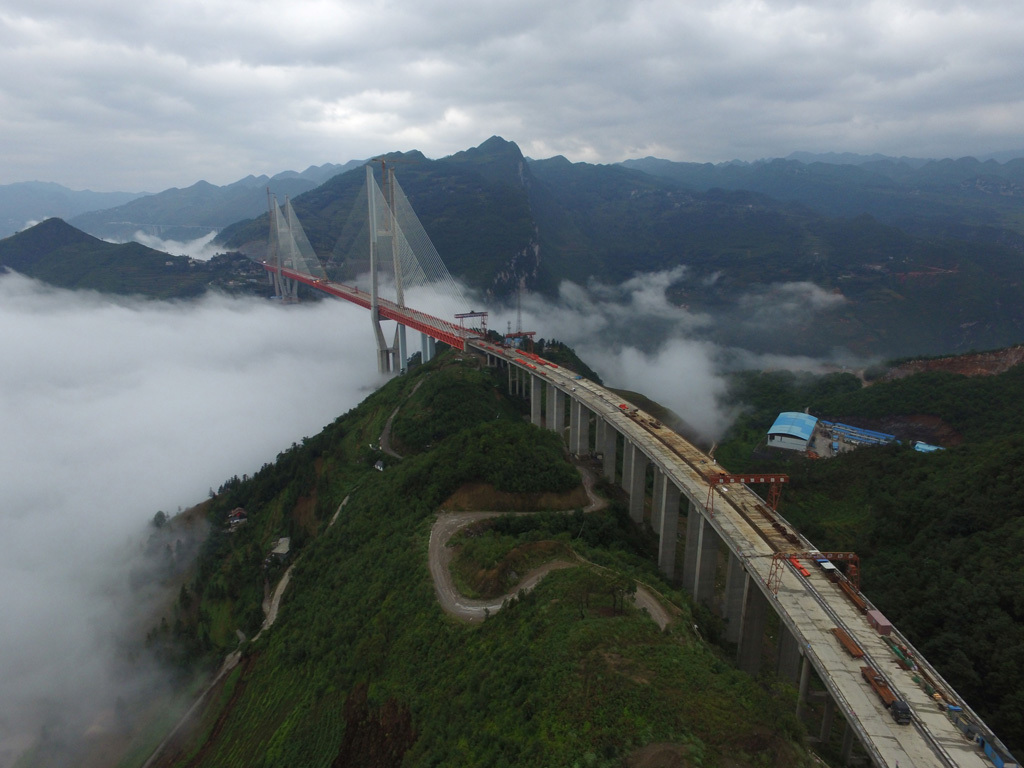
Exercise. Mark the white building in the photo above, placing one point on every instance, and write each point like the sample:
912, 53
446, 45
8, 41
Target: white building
792, 430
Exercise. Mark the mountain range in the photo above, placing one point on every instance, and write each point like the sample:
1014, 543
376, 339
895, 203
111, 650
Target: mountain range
174, 214
885, 256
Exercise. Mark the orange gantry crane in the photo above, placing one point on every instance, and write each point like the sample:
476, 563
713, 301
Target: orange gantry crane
775, 482
849, 559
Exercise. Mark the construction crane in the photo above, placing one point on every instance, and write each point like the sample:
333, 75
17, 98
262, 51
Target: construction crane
775, 481
779, 559
519, 332
462, 317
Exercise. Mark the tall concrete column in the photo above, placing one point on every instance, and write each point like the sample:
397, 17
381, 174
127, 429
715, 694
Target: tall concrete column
627, 463
732, 605
849, 739
511, 379
579, 428
610, 447
425, 351
755, 614
574, 425
637, 484
550, 419
691, 555
788, 661
403, 349
707, 563
805, 681
656, 498
668, 526
536, 399
583, 435
825, 734
559, 411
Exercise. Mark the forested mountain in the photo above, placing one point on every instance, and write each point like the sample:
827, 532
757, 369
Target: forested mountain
193, 212
26, 202
882, 258
963, 197
362, 667
940, 535
774, 276
57, 253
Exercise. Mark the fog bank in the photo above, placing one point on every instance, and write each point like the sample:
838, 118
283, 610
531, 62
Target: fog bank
636, 339
114, 409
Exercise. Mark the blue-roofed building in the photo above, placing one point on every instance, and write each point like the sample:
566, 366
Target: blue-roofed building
792, 430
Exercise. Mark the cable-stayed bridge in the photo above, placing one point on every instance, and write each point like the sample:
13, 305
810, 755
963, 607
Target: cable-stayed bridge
401, 258
738, 557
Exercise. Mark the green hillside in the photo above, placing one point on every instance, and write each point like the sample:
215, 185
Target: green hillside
363, 667
775, 274
57, 253
964, 198
940, 535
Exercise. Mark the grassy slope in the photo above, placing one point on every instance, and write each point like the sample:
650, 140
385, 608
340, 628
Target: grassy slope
540, 683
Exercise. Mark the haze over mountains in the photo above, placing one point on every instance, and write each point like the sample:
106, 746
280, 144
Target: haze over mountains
173, 214
877, 256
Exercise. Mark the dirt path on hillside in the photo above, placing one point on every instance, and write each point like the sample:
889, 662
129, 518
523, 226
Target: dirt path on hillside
270, 609
455, 604
385, 436
440, 557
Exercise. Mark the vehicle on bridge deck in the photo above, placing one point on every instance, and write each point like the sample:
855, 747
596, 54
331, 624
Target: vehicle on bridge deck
898, 708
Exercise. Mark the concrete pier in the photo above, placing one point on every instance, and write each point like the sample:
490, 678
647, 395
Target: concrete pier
752, 623
657, 498
556, 415
637, 483
788, 659
579, 428
428, 348
707, 564
610, 447
825, 734
849, 739
536, 400
668, 525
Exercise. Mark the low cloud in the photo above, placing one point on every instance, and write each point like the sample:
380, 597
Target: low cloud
637, 339
202, 248
112, 410
781, 304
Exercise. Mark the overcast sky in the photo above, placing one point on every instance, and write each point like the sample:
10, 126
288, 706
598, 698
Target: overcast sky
118, 94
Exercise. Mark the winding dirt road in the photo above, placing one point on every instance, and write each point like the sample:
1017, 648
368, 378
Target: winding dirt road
455, 604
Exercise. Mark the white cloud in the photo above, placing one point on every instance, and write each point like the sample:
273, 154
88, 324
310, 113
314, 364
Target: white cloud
636, 339
201, 248
112, 410
777, 305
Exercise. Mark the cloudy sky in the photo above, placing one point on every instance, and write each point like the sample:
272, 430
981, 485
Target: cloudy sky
115, 94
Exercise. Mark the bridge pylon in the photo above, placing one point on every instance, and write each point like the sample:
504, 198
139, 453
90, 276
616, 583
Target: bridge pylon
384, 352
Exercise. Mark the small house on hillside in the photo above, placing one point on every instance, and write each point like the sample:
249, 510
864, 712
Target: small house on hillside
237, 516
282, 549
